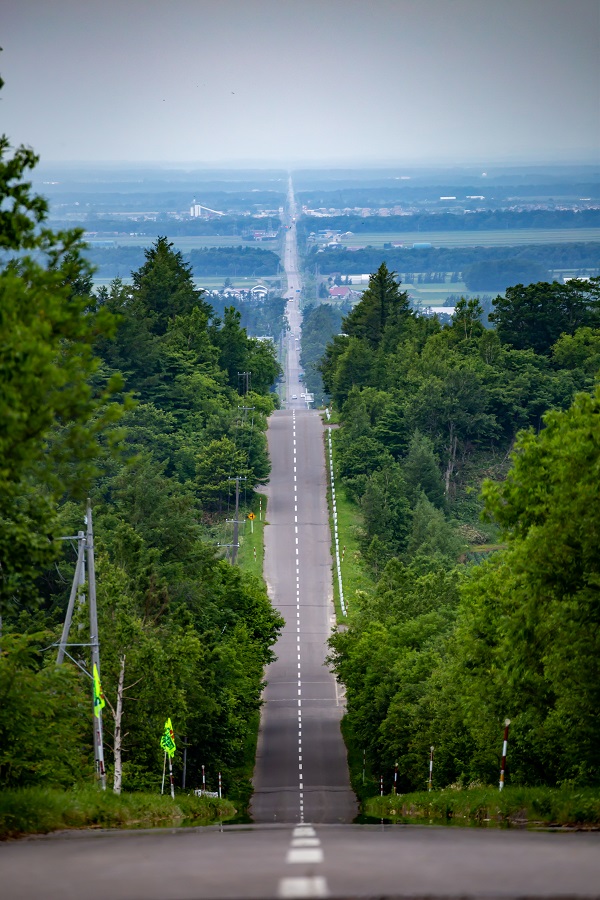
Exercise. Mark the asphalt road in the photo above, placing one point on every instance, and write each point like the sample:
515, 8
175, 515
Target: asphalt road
351, 861
301, 772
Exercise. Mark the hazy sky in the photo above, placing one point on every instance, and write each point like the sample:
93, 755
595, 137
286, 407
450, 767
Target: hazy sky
291, 81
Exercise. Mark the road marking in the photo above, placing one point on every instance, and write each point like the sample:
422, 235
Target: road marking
306, 842
305, 855
309, 886
304, 831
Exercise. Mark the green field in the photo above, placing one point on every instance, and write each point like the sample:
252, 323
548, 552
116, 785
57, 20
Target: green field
503, 237
437, 294
355, 576
212, 282
185, 243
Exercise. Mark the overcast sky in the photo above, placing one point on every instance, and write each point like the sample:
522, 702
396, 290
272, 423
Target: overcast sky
300, 81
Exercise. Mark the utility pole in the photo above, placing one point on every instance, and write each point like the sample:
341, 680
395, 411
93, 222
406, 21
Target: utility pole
95, 643
85, 553
235, 521
245, 376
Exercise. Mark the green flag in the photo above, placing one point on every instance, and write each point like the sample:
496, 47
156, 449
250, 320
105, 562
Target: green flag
167, 741
99, 701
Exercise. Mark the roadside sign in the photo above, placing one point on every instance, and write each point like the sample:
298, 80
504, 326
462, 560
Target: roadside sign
251, 516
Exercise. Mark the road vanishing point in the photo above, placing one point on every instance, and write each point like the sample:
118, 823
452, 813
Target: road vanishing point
302, 842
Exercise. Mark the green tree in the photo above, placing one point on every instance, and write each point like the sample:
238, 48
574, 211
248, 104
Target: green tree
43, 715
217, 464
422, 471
542, 597
51, 419
383, 302
164, 286
535, 316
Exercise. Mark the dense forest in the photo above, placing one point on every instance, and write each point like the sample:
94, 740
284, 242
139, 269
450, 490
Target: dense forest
261, 318
130, 397
488, 220
320, 324
571, 256
144, 224
119, 261
468, 622
500, 189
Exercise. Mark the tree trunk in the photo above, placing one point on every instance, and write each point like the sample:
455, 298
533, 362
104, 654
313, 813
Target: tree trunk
452, 445
118, 777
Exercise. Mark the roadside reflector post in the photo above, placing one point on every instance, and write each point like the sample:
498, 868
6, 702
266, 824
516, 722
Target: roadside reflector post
381, 786
504, 746
364, 763
396, 777
220, 784
203, 779
430, 768
171, 777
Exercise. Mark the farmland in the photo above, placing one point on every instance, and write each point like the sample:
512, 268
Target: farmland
501, 238
185, 243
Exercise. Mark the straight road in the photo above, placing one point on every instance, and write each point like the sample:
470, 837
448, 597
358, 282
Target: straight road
301, 771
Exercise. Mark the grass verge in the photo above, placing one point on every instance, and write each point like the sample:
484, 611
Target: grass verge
487, 805
355, 576
251, 538
38, 810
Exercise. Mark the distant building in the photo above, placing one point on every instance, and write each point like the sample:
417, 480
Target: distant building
197, 211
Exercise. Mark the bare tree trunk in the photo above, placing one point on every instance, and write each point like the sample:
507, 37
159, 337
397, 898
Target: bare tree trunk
118, 777
452, 445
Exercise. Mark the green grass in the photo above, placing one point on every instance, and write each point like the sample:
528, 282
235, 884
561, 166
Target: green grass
37, 810
487, 805
251, 538
502, 237
355, 576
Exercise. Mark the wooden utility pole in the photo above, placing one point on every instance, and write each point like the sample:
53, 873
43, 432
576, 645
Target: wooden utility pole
236, 523
95, 643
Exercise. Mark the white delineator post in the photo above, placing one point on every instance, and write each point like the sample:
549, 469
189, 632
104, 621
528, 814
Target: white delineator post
220, 786
203, 779
395, 778
430, 769
381, 786
504, 746
171, 777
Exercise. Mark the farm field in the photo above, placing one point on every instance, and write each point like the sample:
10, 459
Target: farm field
185, 243
437, 294
508, 237
211, 282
